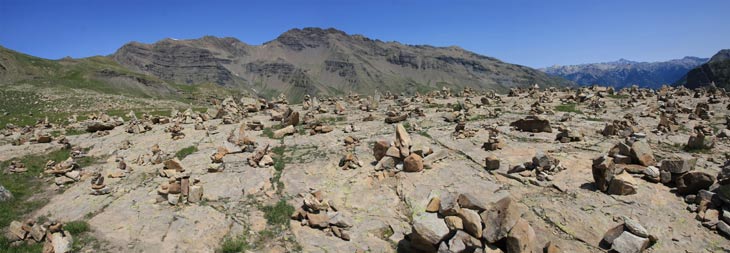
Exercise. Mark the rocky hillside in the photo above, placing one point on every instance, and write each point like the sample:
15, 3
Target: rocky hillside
624, 73
324, 61
717, 70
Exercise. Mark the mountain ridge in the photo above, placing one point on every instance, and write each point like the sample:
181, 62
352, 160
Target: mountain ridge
623, 72
716, 71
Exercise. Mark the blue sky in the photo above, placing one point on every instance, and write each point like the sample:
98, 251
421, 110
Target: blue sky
532, 33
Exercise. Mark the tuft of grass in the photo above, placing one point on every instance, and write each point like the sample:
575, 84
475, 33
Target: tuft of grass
571, 107
234, 245
23, 248
76, 227
278, 214
180, 154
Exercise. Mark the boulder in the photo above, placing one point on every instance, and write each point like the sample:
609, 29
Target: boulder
532, 124
379, 149
288, 130
319, 220
603, 172
454, 222
463, 242
499, 219
642, 154
5, 194
629, 243
429, 228
694, 181
413, 163
95, 126
635, 228
61, 243
449, 204
471, 221
468, 200
521, 238
678, 166
622, 184
492, 162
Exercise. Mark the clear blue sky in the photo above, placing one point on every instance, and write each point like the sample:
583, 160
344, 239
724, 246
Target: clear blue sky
532, 33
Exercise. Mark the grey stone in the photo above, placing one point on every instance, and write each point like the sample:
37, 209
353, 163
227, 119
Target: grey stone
429, 227
629, 243
635, 228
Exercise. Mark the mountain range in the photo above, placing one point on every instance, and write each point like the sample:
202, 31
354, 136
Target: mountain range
311, 61
624, 73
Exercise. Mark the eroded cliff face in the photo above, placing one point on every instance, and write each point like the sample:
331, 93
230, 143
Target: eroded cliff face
324, 61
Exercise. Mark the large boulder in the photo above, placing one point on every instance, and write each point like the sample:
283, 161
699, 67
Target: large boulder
677, 165
521, 238
413, 163
95, 126
533, 124
694, 181
622, 184
603, 172
428, 230
499, 219
642, 153
629, 243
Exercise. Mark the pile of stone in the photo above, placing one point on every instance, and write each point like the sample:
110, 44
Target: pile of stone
701, 111
317, 212
16, 166
462, 223
102, 122
627, 237
176, 131
399, 155
180, 189
612, 172
217, 157
667, 123
43, 137
351, 128
97, 185
370, 105
532, 123
50, 233
261, 158
156, 156
542, 166
538, 108
621, 128
137, 127
393, 117
567, 134
702, 138
350, 161
255, 125
494, 142
320, 128
65, 172
460, 132
289, 118
229, 111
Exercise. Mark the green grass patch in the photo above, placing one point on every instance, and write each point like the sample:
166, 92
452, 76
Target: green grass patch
180, 154
76, 227
571, 107
278, 214
23, 248
24, 185
234, 245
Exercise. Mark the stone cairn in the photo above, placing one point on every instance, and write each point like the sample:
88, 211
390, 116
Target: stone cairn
65, 172
400, 155
628, 236
463, 223
50, 233
542, 166
317, 212
178, 188
611, 172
